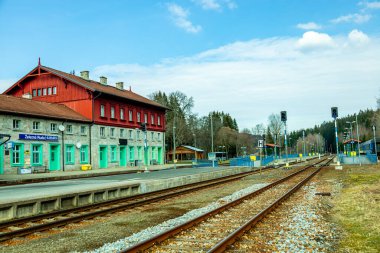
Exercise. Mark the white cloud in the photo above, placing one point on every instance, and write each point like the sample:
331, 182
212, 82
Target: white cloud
370, 5
180, 17
252, 79
216, 5
358, 37
315, 41
208, 4
309, 26
352, 18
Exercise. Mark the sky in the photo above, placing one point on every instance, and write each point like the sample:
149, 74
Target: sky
247, 58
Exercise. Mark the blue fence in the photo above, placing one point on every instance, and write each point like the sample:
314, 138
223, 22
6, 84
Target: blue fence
204, 163
241, 161
372, 158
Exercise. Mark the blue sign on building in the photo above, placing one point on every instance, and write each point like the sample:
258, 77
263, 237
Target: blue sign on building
38, 137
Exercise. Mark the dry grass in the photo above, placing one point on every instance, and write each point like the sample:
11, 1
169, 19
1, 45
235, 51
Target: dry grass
357, 209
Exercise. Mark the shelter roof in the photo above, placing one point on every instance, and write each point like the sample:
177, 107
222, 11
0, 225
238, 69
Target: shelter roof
29, 107
272, 145
351, 141
193, 148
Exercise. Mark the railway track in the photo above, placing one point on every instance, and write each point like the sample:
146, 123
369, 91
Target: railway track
29, 225
215, 231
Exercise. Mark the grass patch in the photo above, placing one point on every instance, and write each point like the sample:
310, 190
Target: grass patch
357, 210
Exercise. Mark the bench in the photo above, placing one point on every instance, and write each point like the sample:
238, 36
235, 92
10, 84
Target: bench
39, 169
153, 162
131, 164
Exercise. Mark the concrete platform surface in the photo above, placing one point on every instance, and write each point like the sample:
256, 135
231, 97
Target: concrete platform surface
9, 179
26, 192
31, 199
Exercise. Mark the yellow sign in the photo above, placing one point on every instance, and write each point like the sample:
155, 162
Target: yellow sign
300, 155
26, 152
253, 157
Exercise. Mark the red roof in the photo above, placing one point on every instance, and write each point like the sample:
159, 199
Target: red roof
95, 86
272, 145
29, 107
351, 140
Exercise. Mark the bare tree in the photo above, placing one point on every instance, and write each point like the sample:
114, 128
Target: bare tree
258, 129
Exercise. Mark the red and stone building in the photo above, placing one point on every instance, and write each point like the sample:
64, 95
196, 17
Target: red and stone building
115, 114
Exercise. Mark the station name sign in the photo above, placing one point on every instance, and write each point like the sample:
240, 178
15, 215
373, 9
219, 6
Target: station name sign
37, 137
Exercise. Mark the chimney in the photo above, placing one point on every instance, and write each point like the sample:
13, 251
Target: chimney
103, 80
27, 95
120, 85
85, 74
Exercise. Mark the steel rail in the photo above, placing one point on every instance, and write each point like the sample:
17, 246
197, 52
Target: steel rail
150, 198
143, 245
231, 238
39, 217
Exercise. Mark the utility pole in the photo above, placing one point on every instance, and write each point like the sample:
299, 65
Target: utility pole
357, 134
212, 135
174, 145
144, 130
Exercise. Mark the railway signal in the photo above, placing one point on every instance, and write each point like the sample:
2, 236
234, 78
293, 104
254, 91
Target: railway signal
284, 118
334, 114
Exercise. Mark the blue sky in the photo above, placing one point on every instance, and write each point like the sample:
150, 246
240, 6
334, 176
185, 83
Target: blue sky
261, 54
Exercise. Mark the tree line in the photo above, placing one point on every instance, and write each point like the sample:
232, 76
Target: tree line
221, 129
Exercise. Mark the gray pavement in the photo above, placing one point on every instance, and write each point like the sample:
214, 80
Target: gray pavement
17, 193
57, 175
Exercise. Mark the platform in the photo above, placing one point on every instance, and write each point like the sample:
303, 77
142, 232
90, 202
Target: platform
31, 199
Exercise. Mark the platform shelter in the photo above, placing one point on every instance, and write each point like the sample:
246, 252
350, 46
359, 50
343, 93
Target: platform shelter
185, 152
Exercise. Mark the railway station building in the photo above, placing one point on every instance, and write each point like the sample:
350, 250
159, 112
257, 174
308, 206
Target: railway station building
104, 123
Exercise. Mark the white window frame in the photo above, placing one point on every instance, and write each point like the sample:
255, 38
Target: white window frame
83, 130
138, 117
130, 115
112, 112
16, 124
102, 131
102, 111
36, 126
53, 127
69, 129
122, 113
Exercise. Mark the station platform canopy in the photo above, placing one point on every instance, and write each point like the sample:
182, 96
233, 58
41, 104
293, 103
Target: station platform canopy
270, 145
353, 141
185, 152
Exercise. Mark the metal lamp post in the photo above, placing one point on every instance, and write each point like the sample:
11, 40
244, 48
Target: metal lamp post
374, 140
351, 139
174, 147
303, 140
357, 136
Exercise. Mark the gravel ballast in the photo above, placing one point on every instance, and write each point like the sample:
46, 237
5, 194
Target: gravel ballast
152, 231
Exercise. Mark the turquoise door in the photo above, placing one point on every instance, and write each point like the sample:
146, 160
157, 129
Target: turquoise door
103, 159
159, 155
123, 156
54, 157
2, 159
